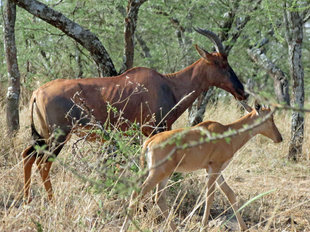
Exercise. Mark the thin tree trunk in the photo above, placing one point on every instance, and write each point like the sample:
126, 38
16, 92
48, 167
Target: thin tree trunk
78, 60
145, 49
179, 31
83, 36
129, 35
13, 92
184, 41
281, 86
196, 116
294, 37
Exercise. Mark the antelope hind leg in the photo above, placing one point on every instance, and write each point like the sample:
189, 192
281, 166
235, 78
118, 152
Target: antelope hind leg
162, 204
229, 193
44, 169
29, 157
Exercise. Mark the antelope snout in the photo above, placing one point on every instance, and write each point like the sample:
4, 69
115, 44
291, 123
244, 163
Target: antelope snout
242, 95
246, 95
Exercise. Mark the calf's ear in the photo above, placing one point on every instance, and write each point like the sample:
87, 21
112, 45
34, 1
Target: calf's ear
257, 106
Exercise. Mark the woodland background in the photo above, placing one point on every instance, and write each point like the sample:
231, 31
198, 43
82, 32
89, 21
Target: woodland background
256, 35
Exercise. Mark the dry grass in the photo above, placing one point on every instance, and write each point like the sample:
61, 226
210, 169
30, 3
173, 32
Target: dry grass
260, 166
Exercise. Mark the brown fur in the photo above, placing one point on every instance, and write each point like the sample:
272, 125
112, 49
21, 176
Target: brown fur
165, 157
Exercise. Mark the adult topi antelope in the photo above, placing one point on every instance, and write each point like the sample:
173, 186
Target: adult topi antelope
139, 95
193, 152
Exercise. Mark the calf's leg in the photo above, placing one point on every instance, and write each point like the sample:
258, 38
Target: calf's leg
161, 202
213, 175
151, 181
229, 193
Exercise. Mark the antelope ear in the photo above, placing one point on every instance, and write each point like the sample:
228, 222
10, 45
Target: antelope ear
203, 53
257, 106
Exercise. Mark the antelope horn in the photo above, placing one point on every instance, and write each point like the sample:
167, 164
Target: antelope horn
246, 106
213, 37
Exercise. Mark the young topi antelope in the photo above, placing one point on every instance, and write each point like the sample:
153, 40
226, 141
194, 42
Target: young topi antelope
164, 157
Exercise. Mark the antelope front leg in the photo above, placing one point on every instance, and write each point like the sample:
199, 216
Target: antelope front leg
210, 196
232, 200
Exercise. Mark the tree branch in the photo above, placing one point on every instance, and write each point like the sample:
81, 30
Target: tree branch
227, 24
235, 35
306, 16
129, 35
177, 25
83, 36
145, 48
280, 80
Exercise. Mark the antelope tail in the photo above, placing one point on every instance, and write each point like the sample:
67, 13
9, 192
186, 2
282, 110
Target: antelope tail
145, 147
35, 134
142, 157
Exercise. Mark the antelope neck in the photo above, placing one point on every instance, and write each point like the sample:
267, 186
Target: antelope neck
188, 80
242, 138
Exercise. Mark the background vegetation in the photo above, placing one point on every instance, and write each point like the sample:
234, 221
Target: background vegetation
164, 41
45, 53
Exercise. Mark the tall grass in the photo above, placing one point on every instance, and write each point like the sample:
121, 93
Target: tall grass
91, 194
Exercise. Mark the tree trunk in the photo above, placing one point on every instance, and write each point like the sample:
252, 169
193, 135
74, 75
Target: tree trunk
13, 92
196, 116
129, 35
281, 86
179, 31
294, 37
83, 36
